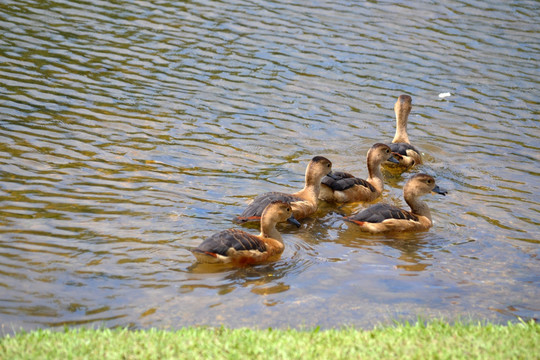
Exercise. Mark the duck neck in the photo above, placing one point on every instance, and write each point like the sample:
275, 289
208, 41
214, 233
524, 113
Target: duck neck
268, 230
401, 126
312, 188
418, 207
375, 174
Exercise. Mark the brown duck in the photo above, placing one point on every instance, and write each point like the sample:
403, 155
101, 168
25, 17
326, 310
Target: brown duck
407, 154
242, 248
343, 187
303, 203
381, 218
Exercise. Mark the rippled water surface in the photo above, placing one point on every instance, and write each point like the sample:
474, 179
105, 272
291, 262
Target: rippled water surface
130, 131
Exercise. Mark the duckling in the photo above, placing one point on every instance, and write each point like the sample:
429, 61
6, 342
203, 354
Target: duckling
381, 218
407, 154
241, 248
343, 187
303, 202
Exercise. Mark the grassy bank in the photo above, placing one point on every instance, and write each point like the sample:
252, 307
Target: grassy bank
437, 340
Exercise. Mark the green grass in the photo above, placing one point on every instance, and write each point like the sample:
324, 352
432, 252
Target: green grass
436, 340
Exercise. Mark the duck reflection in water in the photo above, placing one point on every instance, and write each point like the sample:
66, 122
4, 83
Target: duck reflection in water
412, 251
262, 279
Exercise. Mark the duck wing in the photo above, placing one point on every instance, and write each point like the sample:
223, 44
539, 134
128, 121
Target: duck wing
340, 181
401, 148
255, 209
380, 212
221, 242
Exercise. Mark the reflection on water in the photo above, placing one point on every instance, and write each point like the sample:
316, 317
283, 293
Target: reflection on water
131, 132
262, 280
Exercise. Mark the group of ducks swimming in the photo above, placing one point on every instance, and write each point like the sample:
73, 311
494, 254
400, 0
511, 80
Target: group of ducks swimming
321, 183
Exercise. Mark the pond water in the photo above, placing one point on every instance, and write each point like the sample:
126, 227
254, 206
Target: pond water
131, 131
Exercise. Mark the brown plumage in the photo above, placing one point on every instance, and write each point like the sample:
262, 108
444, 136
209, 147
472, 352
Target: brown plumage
386, 218
303, 203
343, 187
241, 248
406, 153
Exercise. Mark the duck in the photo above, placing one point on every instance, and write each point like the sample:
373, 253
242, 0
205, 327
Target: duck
343, 187
238, 247
407, 155
303, 203
381, 218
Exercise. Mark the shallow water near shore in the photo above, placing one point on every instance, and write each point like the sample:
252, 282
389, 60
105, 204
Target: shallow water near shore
132, 131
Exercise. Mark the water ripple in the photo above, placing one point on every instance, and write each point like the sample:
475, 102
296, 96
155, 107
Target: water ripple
131, 131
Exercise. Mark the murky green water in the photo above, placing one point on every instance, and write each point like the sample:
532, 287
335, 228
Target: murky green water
130, 131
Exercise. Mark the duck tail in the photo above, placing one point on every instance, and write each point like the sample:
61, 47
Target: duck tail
361, 223
245, 219
198, 251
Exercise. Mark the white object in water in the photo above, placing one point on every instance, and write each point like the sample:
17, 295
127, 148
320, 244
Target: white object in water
443, 95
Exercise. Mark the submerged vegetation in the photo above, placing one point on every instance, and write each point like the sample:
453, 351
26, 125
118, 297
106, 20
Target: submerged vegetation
434, 340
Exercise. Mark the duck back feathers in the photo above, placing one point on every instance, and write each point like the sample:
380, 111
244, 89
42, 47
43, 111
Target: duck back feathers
402, 148
340, 181
222, 242
254, 210
380, 212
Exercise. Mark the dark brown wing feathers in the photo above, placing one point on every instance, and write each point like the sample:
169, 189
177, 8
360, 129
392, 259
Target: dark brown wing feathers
340, 181
401, 148
221, 242
254, 210
380, 212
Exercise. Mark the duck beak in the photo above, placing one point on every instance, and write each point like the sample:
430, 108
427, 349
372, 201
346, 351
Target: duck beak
437, 190
293, 221
394, 158
331, 174
397, 156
